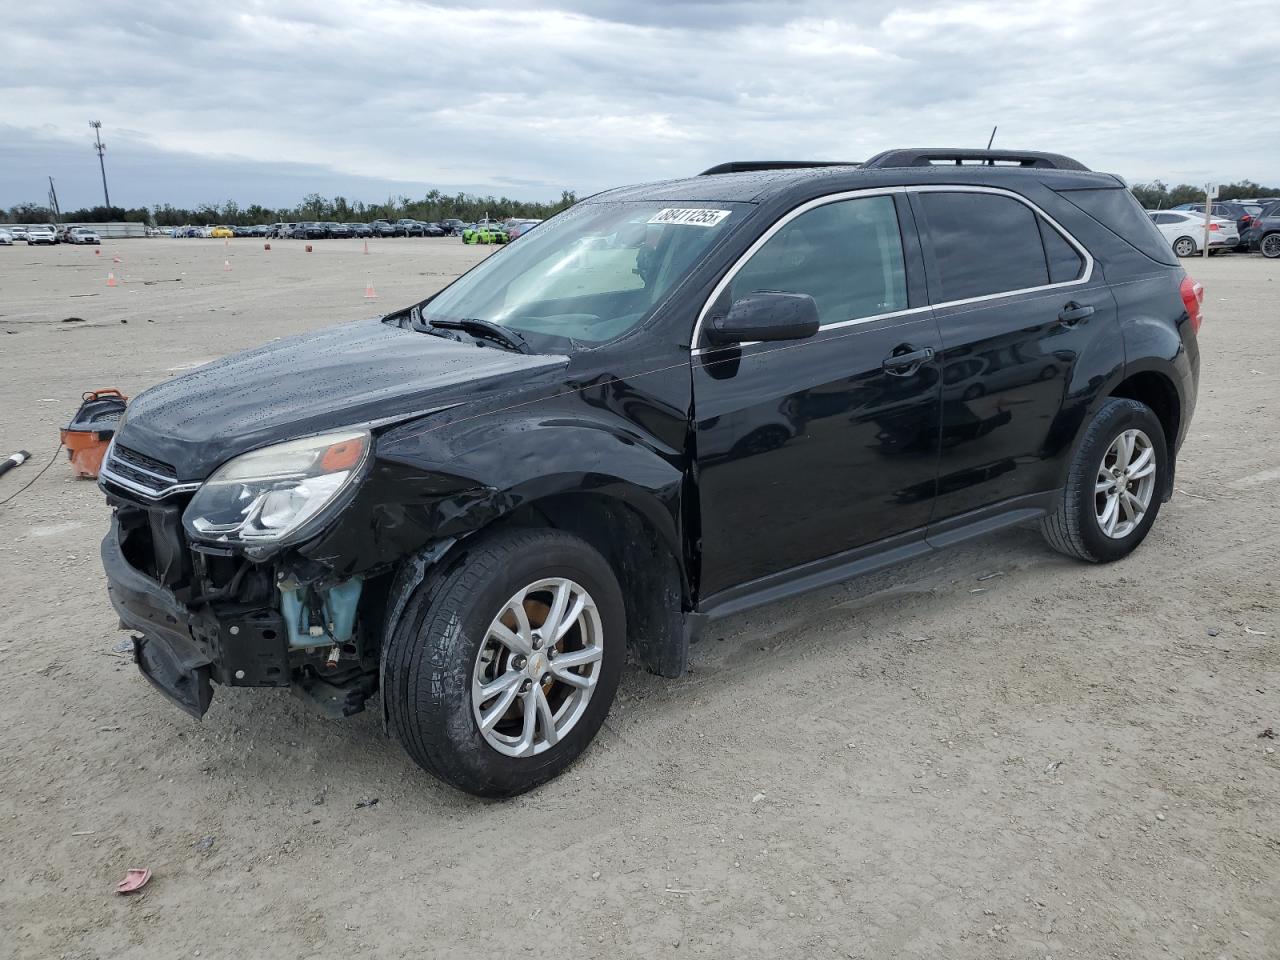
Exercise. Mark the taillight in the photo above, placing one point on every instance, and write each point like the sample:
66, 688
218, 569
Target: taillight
1246, 220
1192, 298
1214, 226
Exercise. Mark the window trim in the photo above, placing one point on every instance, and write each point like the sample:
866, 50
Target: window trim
790, 215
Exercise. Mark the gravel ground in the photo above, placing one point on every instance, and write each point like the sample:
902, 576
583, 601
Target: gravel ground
991, 753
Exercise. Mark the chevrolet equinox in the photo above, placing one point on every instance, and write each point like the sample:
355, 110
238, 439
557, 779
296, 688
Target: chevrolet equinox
670, 403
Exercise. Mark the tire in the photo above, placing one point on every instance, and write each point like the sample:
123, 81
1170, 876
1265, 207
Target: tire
438, 649
1270, 246
1074, 528
1184, 247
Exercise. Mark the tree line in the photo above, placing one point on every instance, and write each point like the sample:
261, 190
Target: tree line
1158, 196
435, 206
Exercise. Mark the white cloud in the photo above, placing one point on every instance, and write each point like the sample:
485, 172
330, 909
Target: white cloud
504, 95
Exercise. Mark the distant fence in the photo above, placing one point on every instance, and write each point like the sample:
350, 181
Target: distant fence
108, 231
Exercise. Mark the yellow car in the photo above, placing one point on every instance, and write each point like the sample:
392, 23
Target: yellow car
221, 232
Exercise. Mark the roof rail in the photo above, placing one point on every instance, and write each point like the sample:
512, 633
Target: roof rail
749, 166
931, 156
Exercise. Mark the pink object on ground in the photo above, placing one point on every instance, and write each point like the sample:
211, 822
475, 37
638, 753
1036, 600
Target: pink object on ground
134, 879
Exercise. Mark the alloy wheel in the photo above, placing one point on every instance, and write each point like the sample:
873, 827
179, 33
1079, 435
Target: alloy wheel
1271, 245
1184, 247
537, 667
1125, 483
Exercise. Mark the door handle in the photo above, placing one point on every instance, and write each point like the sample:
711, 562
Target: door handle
1074, 313
904, 364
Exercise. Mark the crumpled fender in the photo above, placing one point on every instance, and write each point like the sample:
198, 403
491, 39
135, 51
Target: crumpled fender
426, 485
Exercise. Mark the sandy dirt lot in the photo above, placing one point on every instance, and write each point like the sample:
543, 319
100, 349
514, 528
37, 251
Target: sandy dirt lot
992, 753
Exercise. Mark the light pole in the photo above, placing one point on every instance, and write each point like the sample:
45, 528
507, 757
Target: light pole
97, 132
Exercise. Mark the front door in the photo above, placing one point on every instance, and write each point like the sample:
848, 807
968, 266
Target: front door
810, 448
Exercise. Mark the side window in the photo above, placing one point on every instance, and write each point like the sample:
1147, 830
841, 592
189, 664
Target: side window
1065, 262
846, 255
983, 244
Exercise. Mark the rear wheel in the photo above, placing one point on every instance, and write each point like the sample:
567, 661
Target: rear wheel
1184, 247
502, 669
1114, 486
1270, 245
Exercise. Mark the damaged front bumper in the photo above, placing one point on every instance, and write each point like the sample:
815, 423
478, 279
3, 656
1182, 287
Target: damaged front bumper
184, 649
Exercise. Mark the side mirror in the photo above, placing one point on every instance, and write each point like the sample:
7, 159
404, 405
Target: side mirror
769, 315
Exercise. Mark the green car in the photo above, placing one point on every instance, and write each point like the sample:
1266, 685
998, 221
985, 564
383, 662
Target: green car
484, 233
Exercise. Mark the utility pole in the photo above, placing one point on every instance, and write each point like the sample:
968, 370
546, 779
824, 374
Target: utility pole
97, 132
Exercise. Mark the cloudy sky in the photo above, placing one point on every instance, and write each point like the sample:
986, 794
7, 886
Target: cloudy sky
266, 101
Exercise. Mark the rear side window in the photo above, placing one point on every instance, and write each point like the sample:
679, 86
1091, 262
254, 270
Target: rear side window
983, 244
1119, 211
1065, 262
847, 255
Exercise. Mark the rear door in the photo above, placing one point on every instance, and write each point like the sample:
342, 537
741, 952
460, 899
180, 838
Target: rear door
811, 448
1017, 303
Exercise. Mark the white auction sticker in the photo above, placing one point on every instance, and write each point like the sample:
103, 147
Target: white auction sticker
690, 216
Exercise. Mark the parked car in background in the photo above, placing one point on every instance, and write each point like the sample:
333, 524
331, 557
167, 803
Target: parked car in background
1265, 232
383, 228
518, 228
41, 233
360, 229
432, 230
17, 232
221, 232
1185, 231
1241, 212
484, 233
478, 506
408, 227
453, 227
309, 230
6, 238
83, 235
61, 230
336, 231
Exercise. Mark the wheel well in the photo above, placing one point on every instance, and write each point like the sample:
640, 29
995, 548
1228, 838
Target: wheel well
1158, 393
651, 578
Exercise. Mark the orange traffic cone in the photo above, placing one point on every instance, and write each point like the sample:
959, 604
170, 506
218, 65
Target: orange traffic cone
366, 246
111, 280
308, 248
226, 266
97, 251
115, 259
266, 246
369, 292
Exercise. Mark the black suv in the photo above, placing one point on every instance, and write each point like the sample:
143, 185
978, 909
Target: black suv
1265, 232
308, 230
668, 404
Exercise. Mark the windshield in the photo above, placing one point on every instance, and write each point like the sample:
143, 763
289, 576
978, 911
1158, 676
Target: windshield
590, 274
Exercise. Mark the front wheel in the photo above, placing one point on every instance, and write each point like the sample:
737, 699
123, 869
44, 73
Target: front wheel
1114, 487
1270, 246
503, 667
1184, 247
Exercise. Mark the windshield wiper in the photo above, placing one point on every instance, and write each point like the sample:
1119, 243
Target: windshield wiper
486, 330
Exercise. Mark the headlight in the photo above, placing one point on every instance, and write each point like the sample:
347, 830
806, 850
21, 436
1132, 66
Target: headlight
269, 495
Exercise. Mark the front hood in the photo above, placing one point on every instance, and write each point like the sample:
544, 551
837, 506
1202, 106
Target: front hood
356, 373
